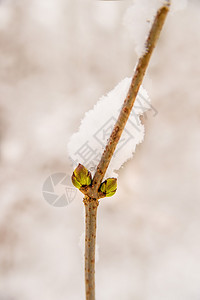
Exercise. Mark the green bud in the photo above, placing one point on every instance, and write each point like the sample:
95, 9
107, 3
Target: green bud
81, 177
109, 187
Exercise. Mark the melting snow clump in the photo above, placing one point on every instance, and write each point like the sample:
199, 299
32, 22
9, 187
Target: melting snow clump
86, 146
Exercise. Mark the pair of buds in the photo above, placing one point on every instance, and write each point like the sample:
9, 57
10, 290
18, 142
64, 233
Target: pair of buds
81, 177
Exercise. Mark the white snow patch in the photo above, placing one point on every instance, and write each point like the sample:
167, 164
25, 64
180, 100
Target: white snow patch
86, 146
139, 17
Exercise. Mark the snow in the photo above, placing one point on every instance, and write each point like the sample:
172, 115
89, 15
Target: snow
87, 145
148, 233
139, 17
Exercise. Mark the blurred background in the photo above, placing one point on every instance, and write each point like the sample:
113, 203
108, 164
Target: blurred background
57, 57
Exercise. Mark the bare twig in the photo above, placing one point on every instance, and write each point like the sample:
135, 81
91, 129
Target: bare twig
92, 191
90, 240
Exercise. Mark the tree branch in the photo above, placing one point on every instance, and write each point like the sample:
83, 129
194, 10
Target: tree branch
90, 241
92, 190
131, 96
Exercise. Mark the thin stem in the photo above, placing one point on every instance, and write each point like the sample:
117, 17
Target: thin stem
92, 195
131, 96
90, 241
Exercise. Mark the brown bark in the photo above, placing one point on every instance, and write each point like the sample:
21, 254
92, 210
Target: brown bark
91, 192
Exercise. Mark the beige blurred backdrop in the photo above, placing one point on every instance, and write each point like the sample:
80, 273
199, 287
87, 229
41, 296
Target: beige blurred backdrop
57, 57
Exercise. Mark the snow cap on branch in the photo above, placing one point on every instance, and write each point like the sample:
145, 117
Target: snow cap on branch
145, 10
87, 145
